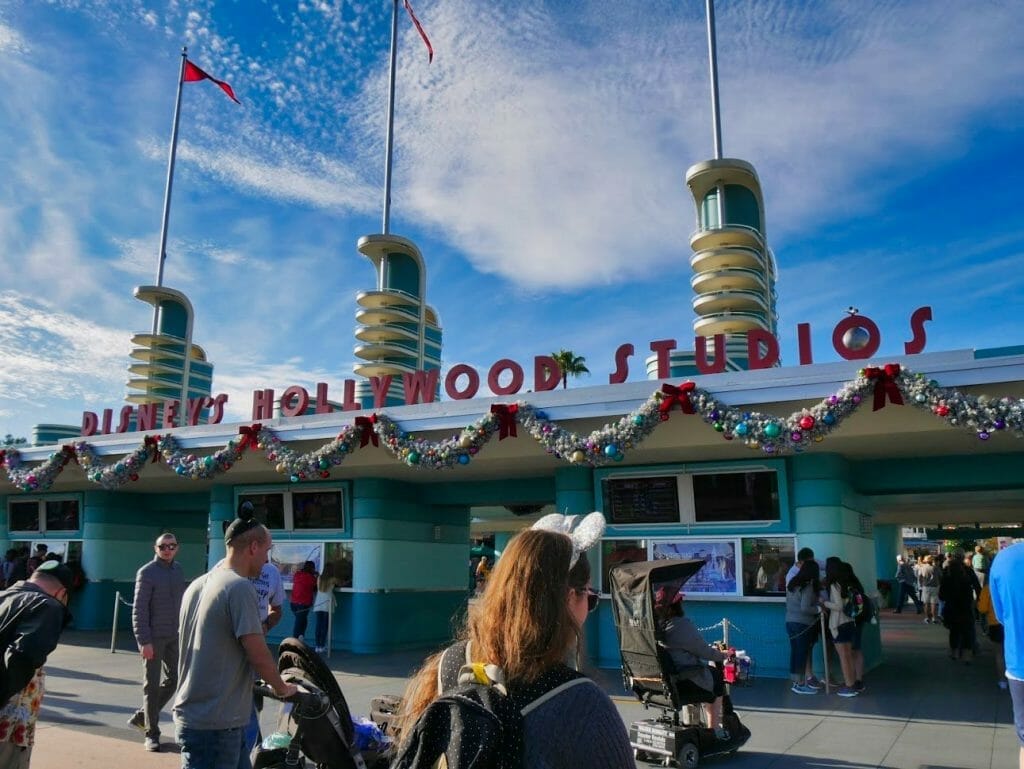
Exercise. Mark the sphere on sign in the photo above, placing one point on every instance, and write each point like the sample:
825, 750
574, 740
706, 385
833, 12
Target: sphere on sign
856, 338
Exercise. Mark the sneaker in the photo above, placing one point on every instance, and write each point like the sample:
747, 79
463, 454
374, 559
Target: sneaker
803, 689
138, 721
847, 691
814, 683
859, 686
152, 745
927, 620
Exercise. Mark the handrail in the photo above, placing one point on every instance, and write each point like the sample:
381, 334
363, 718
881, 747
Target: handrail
740, 270
711, 251
727, 227
397, 291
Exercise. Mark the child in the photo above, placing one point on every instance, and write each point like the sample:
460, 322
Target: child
323, 603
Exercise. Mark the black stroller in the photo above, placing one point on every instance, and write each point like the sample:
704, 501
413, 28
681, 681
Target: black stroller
314, 728
649, 672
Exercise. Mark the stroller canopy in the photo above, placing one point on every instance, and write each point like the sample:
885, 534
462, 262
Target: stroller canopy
633, 589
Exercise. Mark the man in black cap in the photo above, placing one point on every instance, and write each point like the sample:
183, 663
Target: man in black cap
222, 650
33, 613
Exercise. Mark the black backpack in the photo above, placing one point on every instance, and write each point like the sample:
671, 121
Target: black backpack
475, 722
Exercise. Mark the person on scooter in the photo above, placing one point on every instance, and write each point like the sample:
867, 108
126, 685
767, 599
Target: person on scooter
691, 654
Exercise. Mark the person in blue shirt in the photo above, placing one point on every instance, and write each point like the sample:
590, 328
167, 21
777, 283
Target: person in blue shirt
1006, 583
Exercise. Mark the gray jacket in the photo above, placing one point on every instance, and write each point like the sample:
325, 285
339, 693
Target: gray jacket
158, 590
802, 606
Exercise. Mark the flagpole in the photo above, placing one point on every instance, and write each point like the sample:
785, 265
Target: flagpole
162, 255
713, 62
389, 151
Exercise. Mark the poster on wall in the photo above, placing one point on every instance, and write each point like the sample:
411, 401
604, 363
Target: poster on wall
718, 577
289, 557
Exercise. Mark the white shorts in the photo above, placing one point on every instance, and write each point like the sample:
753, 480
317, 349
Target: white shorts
929, 595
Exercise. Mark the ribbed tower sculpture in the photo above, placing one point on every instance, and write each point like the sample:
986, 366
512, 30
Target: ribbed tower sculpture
168, 365
398, 332
734, 270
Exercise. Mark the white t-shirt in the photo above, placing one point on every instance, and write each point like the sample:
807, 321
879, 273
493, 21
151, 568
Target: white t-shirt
269, 589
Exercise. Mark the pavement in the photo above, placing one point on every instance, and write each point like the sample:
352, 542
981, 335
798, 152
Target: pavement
920, 711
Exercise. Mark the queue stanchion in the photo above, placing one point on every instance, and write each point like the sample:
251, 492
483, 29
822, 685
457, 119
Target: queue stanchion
330, 624
113, 629
824, 653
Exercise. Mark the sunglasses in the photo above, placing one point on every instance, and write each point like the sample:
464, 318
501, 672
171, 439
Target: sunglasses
592, 598
168, 547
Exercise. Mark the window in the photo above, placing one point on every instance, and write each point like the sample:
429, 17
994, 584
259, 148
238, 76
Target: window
615, 552
43, 515
741, 496
724, 497
338, 558
717, 576
766, 560
298, 510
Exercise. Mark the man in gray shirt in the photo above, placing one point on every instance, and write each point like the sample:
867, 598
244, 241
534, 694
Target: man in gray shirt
222, 651
159, 586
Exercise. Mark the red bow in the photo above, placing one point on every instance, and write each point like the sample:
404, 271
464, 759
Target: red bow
249, 436
674, 395
3, 457
152, 442
367, 433
69, 453
885, 384
506, 413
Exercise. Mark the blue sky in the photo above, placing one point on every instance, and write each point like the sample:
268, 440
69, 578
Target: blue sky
540, 163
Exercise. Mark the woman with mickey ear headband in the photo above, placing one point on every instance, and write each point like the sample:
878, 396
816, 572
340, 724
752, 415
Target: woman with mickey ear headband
524, 627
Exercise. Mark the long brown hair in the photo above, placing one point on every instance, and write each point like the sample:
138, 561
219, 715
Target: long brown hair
522, 622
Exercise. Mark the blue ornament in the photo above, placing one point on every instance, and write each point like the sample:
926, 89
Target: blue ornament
829, 418
540, 415
638, 420
611, 450
463, 459
742, 428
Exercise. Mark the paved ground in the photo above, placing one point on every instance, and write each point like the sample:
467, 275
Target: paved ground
921, 710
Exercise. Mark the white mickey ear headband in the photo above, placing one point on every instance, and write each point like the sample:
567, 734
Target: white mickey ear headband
585, 531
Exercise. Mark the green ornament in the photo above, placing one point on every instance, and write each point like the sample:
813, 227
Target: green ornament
772, 430
413, 458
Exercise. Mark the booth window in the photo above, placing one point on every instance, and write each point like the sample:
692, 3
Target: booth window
298, 510
766, 560
615, 552
737, 496
338, 556
43, 515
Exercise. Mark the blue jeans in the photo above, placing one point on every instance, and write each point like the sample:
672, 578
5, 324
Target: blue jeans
301, 619
212, 748
801, 639
321, 629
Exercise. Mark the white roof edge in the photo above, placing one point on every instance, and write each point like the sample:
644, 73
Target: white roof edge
957, 368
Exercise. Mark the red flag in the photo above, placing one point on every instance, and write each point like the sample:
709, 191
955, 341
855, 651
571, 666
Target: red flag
416, 22
194, 74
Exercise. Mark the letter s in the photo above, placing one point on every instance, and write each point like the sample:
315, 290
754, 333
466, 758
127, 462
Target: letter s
921, 316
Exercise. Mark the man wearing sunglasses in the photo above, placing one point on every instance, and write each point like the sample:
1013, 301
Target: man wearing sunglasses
159, 586
32, 615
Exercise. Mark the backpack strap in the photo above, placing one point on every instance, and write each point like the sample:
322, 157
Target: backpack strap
452, 660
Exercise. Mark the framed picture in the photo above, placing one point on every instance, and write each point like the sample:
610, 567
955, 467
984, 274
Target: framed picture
717, 577
289, 557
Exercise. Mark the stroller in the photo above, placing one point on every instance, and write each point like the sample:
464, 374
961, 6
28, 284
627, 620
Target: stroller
315, 725
678, 735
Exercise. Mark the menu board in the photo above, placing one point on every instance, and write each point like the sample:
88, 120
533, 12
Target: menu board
653, 499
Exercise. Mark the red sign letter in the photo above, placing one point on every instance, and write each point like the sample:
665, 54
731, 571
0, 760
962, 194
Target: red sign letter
298, 408
755, 338
700, 354
262, 405
621, 364
546, 373
662, 348
496, 371
420, 387
917, 321
451, 380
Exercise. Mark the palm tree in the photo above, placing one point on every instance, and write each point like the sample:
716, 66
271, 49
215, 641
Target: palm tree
570, 364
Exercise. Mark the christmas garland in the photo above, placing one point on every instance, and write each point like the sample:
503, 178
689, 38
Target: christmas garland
765, 432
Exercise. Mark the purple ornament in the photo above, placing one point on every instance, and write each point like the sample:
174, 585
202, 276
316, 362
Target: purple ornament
714, 415
833, 399
1000, 424
983, 435
856, 399
768, 448
796, 436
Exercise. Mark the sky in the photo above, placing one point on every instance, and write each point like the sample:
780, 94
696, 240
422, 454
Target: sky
540, 165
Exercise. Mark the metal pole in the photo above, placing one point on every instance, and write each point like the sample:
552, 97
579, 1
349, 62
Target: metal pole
390, 145
113, 630
713, 62
824, 653
162, 255
725, 631
330, 623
